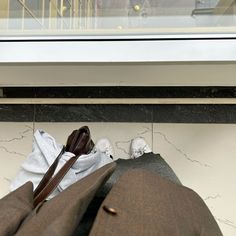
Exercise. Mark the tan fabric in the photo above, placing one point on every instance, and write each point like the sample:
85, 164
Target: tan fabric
147, 204
60, 215
14, 207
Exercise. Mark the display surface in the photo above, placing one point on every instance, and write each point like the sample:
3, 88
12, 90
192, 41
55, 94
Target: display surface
116, 17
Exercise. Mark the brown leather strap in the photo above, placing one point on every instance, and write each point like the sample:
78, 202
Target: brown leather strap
48, 174
85, 145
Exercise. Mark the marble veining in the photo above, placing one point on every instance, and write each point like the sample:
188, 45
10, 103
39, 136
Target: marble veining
15, 145
21, 135
6, 179
226, 222
208, 166
212, 197
146, 130
186, 156
122, 145
12, 152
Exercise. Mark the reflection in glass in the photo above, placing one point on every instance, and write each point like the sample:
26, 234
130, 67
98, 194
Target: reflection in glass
109, 17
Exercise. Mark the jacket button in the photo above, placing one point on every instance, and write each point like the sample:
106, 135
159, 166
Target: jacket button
109, 210
137, 7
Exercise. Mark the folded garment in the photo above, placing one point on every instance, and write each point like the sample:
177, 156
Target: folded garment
45, 150
142, 202
149, 161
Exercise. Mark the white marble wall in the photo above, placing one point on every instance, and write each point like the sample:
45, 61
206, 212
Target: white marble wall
202, 155
204, 158
15, 145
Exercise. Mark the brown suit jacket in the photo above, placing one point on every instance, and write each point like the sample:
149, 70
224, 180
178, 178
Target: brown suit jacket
139, 203
60, 215
144, 203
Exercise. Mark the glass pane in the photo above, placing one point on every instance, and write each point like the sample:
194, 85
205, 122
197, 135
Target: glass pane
15, 14
116, 17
